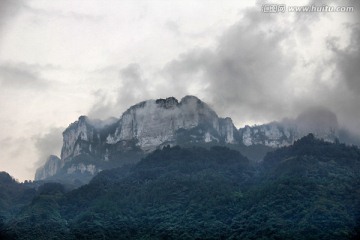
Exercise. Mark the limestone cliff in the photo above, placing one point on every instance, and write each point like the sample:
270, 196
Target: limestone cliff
143, 128
50, 168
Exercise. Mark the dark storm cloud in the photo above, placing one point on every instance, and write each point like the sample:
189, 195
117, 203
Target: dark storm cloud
247, 70
21, 76
316, 118
348, 60
48, 144
248, 76
356, 14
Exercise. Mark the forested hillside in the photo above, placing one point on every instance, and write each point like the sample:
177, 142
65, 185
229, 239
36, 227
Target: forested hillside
305, 191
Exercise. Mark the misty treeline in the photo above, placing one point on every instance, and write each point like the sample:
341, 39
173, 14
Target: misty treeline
305, 191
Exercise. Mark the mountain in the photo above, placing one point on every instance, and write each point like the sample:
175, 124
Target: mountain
90, 146
318, 121
13, 197
50, 168
308, 190
165, 121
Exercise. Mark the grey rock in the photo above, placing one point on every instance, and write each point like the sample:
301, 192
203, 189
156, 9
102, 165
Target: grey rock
50, 168
92, 145
320, 122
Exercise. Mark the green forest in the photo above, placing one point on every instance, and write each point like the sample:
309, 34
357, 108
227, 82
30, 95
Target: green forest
309, 190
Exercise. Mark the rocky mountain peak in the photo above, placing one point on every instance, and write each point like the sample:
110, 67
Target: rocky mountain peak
153, 123
75, 135
91, 145
322, 123
190, 98
170, 102
143, 127
82, 120
50, 168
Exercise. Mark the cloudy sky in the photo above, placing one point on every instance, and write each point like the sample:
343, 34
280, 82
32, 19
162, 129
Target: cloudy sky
65, 58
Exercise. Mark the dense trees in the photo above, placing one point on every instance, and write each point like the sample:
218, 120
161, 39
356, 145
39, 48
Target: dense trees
305, 191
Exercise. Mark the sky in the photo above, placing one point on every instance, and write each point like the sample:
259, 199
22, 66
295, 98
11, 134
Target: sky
65, 58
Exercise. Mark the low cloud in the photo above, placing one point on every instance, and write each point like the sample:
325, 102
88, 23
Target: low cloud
47, 144
259, 71
317, 119
255, 75
344, 98
133, 87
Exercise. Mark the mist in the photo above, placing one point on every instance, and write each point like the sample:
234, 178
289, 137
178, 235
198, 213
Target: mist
60, 61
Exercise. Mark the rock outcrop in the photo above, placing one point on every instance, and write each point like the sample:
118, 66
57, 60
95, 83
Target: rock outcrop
320, 122
144, 127
155, 123
50, 168
92, 145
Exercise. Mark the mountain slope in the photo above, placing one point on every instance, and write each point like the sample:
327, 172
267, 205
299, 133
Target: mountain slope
311, 188
305, 191
318, 121
13, 196
90, 146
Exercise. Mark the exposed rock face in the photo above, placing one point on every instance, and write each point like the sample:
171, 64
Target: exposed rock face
320, 122
82, 168
79, 137
154, 123
143, 127
91, 145
271, 135
228, 130
51, 167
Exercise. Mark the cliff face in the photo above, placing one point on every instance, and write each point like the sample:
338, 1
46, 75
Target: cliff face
143, 127
228, 130
154, 123
321, 123
271, 135
80, 137
92, 145
50, 168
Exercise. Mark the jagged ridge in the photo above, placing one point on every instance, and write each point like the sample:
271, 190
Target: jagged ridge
90, 146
